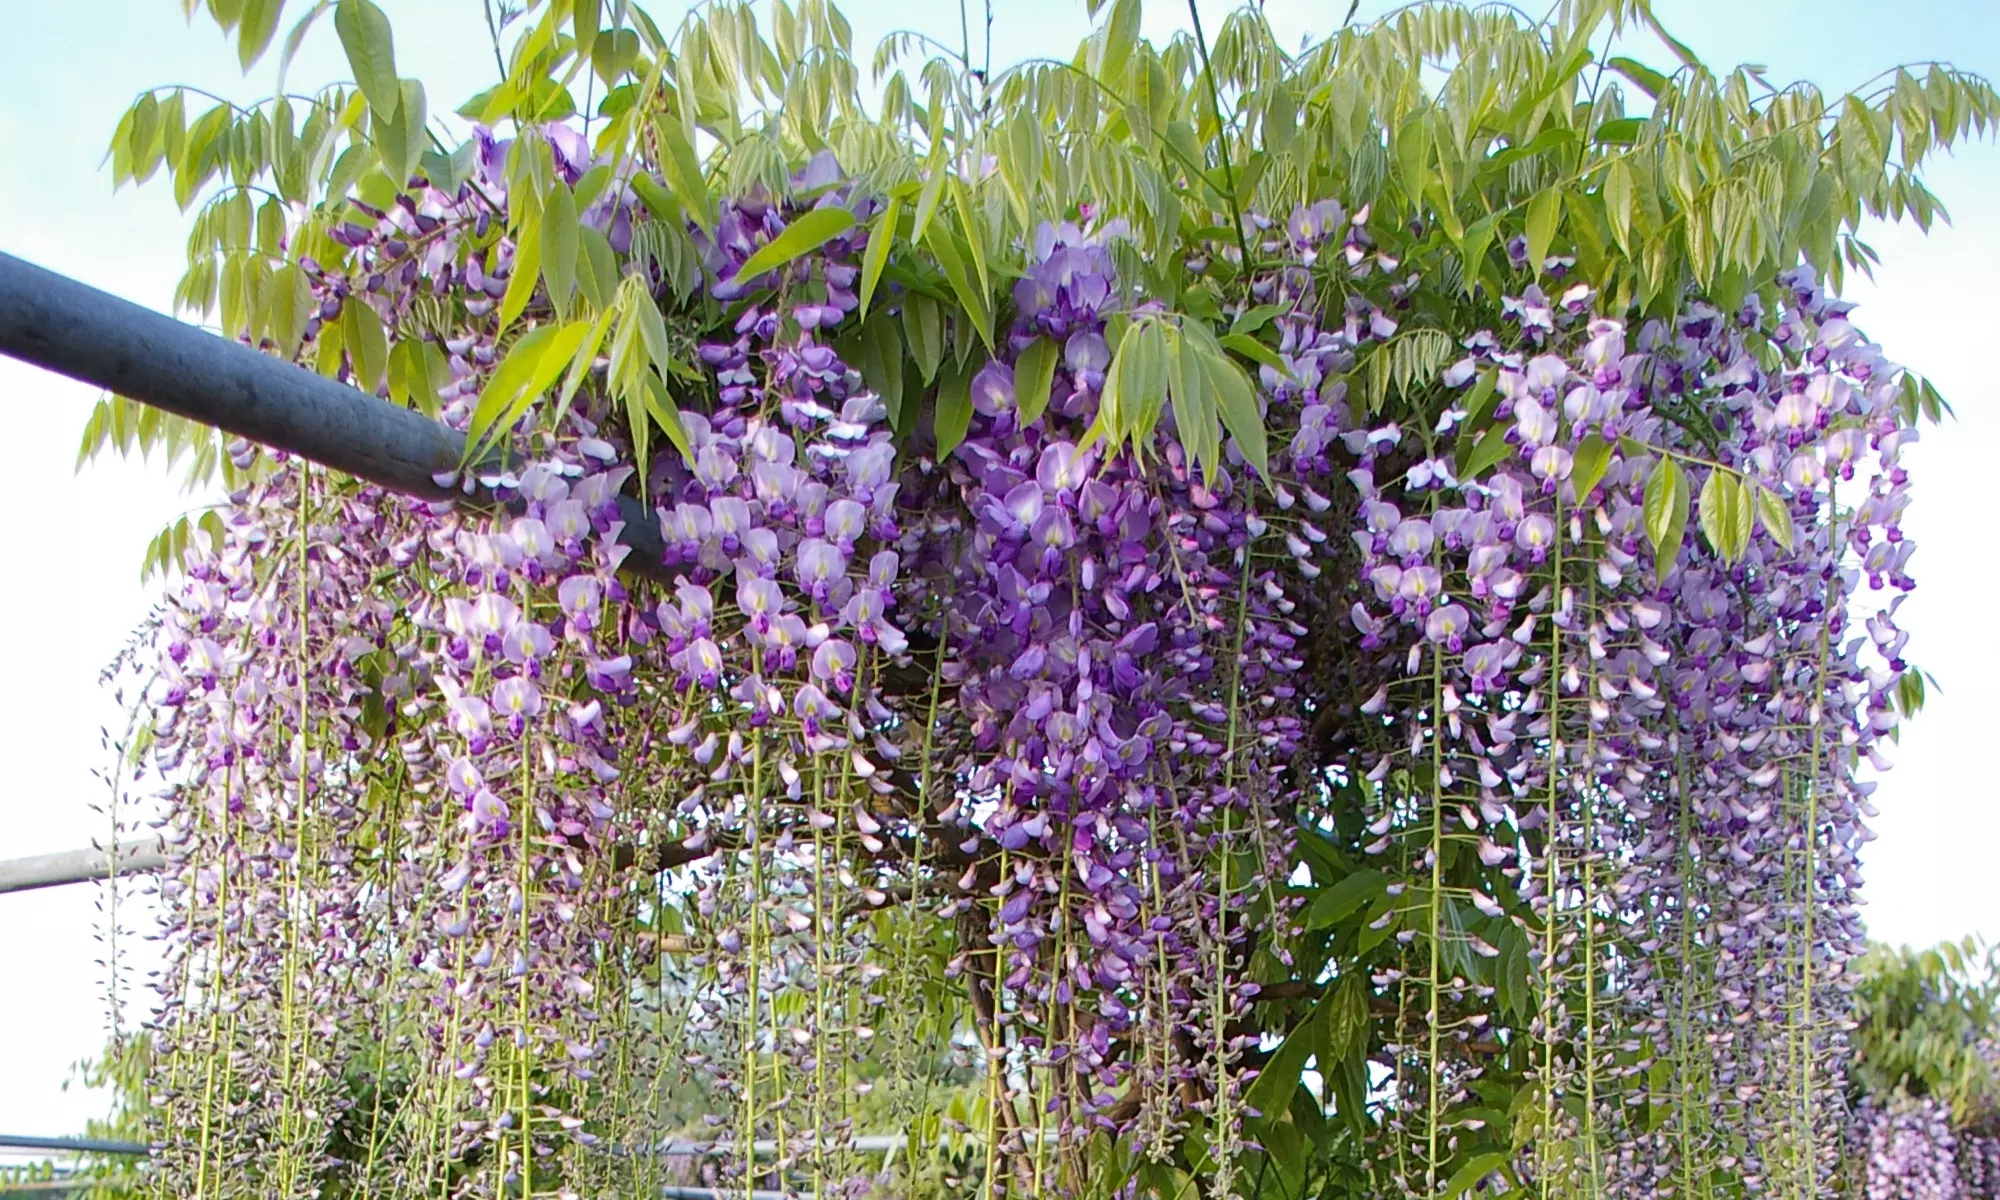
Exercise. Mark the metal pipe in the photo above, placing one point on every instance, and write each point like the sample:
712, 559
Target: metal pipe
94, 337
78, 866
57, 1145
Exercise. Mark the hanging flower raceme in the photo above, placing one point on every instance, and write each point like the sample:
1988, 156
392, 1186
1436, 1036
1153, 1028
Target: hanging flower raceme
1027, 725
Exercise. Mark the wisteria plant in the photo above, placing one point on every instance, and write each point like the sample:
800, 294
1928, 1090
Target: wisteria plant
1187, 619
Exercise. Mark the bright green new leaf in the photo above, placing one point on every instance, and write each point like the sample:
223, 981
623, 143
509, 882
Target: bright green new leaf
1618, 202
945, 246
1621, 132
658, 201
586, 353
803, 236
530, 368
1236, 403
1772, 514
527, 269
367, 344
259, 23
954, 409
1725, 514
880, 240
1666, 512
596, 268
968, 223
371, 53
1194, 405
1034, 374
660, 404
559, 246
1544, 213
1587, 467
683, 171
1472, 249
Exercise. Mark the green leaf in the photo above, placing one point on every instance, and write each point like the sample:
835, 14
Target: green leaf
597, 269
923, 327
1618, 202
1340, 900
882, 368
371, 53
1115, 43
1742, 515
530, 368
399, 136
1775, 518
1650, 81
1143, 364
803, 236
1472, 249
658, 201
367, 344
559, 246
1034, 375
579, 365
1725, 514
1592, 459
945, 247
652, 330
1476, 1168
683, 171
1194, 405
1544, 212
1621, 132
1666, 512
1253, 319
660, 404
880, 240
1236, 403
1256, 352
1491, 450
1481, 402
1281, 1072
527, 269
954, 409
253, 35
968, 221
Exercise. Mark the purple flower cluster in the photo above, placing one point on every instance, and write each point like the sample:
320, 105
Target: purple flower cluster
436, 771
1912, 1153
1659, 757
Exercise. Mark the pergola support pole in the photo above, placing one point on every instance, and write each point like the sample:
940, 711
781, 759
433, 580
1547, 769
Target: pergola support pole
73, 329
137, 857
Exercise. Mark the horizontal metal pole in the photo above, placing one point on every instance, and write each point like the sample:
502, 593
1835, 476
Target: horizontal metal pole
94, 337
59, 1145
78, 866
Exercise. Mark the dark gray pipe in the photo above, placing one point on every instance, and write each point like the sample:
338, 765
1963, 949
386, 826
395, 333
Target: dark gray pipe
75, 330
71, 1145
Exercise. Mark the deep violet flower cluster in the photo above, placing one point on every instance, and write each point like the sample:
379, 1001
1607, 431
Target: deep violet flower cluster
1662, 761
453, 790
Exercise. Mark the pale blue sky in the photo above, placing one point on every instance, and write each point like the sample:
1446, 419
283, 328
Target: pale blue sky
68, 69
